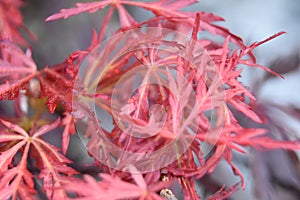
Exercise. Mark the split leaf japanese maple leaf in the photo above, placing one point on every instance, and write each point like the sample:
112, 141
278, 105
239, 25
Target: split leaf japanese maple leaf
69, 129
16, 69
126, 19
224, 193
16, 181
113, 188
57, 82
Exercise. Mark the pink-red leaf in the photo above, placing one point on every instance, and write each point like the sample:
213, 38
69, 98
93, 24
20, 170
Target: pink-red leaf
16, 69
246, 109
224, 194
14, 127
17, 182
46, 128
81, 7
7, 156
113, 188
69, 129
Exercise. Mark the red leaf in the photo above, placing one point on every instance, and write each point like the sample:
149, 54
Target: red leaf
112, 187
56, 88
7, 156
246, 109
224, 194
69, 129
16, 70
14, 127
46, 128
17, 181
81, 7
55, 173
126, 20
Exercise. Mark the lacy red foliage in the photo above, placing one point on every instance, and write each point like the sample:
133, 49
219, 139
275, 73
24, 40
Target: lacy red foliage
31, 165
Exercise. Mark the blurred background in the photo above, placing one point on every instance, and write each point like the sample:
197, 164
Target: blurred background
270, 174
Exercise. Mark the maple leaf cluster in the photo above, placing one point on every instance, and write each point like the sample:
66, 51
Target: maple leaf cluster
173, 129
